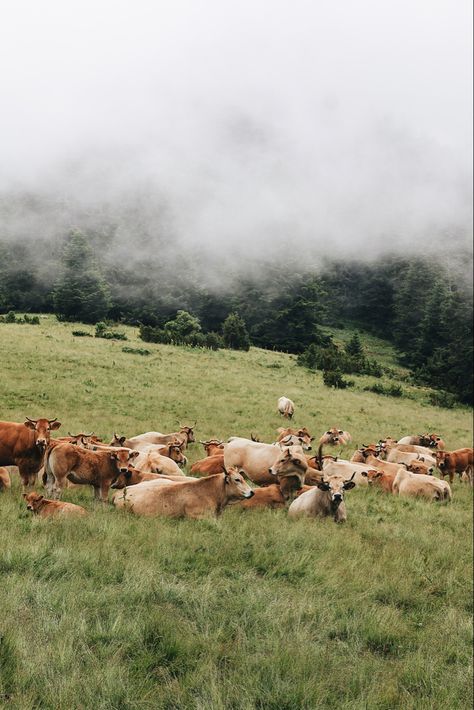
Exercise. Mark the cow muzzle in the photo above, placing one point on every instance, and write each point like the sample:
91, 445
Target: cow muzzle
249, 494
272, 472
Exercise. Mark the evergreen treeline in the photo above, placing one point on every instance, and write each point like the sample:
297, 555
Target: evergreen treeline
415, 303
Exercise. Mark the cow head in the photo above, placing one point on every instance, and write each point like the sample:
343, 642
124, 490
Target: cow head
175, 453
335, 486
420, 467
122, 458
189, 431
373, 476
213, 446
34, 501
442, 460
436, 442
118, 441
130, 477
335, 436
235, 485
290, 470
42, 429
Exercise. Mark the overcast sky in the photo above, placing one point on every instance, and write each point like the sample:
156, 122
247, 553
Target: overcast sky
340, 125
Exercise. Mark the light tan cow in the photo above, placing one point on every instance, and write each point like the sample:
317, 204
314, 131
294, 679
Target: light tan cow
151, 461
290, 470
324, 499
98, 469
413, 484
252, 457
302, 434
286, 407
196, 499
185, 436
45, 508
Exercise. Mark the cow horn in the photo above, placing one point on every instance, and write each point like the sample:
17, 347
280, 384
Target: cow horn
51, 421
33, 421
350, 479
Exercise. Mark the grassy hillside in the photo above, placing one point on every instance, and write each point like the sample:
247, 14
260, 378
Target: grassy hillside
250, 611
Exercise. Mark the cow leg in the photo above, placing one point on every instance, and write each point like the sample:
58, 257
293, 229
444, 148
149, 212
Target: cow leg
28, 479
104, 492
451, 477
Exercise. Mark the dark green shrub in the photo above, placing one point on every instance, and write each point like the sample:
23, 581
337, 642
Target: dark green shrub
82, 334
389, 391
333, 378
443, 399
136, 351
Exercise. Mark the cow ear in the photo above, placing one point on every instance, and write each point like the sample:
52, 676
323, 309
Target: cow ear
30, 425
364, 473
25, 495
133, 454
112, 455
39, 499
55, 425
348, 485
323, 485
122, 440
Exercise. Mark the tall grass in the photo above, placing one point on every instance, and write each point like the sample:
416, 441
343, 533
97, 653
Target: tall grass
252, 610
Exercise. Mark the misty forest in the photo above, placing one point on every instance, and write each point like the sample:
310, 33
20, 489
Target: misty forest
420, 304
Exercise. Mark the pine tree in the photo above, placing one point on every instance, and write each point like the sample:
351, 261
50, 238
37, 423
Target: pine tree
354, 346
81, 294
234, 333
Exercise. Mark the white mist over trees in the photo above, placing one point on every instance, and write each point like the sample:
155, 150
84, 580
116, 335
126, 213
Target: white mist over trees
238, 131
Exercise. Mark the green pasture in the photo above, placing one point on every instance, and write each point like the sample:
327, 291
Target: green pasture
252, 610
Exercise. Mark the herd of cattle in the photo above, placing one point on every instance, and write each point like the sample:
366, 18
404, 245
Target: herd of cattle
146, 474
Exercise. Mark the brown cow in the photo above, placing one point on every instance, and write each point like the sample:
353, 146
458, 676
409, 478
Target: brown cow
302, 434
459, 461
23, 445
209, 466
213, 447
98, 469
192, 499
268, 497
45, 508
5, 481
335, 436
382, 479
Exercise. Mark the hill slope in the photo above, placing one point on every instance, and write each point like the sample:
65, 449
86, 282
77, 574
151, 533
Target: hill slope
250, 611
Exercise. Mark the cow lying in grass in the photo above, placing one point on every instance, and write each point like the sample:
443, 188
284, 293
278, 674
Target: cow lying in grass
324, 499
45, 508
196, 499
416, 485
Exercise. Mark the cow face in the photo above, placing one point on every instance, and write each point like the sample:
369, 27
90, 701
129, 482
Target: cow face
42, 429
442, 460
189, 431
122, 458
436, 442
420, 467
176, 455
335, 486
34, 501
236, 487
373, 476
118, 441
334, 437
290, 470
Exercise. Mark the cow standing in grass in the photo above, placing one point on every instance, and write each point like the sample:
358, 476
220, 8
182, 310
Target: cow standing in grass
24, 445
